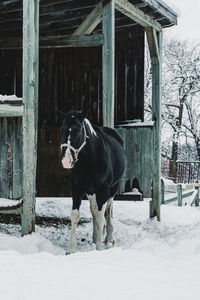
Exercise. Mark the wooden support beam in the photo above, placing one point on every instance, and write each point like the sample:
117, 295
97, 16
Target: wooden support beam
91, 21
156, 117
136, 14
62, 41
152, 43
9, 110
162, 8
30, 119
108, 64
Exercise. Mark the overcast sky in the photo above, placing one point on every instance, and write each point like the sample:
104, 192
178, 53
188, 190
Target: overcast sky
188, 21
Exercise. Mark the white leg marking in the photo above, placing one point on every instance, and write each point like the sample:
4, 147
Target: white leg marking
75, 216
93, 209
109, 226
100, 220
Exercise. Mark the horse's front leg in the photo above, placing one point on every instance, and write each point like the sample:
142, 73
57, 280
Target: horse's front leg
75, 217
93, 210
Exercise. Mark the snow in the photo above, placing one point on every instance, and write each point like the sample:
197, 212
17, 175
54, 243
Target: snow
8, 98
138, 124
150, 260
9, 203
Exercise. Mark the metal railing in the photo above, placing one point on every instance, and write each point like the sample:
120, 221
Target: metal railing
181, 171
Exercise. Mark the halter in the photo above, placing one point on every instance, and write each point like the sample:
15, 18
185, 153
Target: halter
76, 151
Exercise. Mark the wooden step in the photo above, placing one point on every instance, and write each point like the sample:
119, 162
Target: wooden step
8, 206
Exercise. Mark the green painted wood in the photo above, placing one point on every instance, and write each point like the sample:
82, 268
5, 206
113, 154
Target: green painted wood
15, 209
197, 196
108, 62
162, 200
4, 171
30, 119
10, 158
179, 194
17, 159
156, 117
139, 155
184, 195
9, 110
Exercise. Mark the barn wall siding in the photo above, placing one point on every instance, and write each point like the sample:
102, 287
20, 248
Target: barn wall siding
69, 78
11, 158
139, 154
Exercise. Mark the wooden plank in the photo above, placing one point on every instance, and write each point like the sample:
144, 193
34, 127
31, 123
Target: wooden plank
162, 8
108, 64
61, 41
156, 116
91, 21
136, 14
30, 99
179, 194
152, 43
162, 200
184, 195
197, 196
8, 110
11, 209
17, 159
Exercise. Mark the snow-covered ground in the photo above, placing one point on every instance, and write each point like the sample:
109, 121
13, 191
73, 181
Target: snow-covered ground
150, 260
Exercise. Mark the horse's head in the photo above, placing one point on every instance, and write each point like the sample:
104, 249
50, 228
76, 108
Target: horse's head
73, 138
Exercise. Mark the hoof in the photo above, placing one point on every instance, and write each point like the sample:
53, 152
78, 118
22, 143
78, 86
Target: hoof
109, 242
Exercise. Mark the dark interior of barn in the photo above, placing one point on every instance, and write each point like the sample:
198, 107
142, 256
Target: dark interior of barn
71, 77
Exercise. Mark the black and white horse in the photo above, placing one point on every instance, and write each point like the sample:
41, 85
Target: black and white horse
97, 159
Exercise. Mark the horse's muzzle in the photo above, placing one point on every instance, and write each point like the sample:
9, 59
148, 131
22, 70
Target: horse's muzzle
67, 162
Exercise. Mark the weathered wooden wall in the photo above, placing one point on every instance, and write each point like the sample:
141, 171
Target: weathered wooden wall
71, 78
138, 142
10, 158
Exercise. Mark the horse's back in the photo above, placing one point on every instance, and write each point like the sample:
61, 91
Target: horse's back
109, 132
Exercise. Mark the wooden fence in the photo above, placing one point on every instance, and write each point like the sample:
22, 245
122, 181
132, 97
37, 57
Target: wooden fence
178, 192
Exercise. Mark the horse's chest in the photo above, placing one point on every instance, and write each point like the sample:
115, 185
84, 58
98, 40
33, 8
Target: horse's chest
88, 181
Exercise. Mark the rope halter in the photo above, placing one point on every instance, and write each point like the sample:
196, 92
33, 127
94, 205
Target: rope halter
76, 151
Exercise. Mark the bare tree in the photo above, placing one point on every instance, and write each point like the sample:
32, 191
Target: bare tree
181, 85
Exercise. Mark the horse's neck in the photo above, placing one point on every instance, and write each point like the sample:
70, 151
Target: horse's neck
92, 141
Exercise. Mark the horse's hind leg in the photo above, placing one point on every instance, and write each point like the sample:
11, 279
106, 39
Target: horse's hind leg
109, 226
100, 220
109, 211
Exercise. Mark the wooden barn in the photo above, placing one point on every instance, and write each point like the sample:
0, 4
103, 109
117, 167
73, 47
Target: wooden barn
58, 55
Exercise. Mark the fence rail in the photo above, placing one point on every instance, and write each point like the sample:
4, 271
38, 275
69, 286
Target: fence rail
181, 171
176, 193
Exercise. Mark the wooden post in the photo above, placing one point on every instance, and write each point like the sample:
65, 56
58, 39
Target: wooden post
108, 61
162, 192
155, 46
30, 100
179, 195
197, 196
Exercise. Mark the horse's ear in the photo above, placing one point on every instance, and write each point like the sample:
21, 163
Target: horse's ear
81, 116
60, 115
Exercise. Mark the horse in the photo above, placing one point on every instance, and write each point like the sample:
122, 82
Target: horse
97, 159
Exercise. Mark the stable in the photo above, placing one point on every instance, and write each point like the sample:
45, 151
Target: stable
86, 55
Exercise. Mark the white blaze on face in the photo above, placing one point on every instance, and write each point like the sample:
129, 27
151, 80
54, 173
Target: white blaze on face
67, 161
